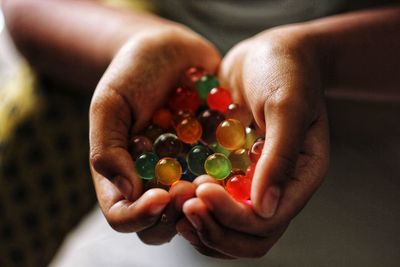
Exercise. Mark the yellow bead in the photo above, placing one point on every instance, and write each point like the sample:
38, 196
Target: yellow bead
231, 134
168, 171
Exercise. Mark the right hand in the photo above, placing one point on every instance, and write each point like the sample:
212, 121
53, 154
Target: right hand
136, 83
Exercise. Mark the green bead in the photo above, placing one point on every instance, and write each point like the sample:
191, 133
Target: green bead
145, 165
251, 137
205, 84
196, 158
218, 166
240, 159
217, 148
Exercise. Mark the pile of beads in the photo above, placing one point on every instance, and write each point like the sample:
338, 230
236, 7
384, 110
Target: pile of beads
201, 131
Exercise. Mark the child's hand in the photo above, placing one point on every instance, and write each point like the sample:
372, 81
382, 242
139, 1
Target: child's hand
277, 75
135, 84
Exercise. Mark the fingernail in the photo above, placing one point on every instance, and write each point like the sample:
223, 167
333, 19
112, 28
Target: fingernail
157, 209
195, 220
124, 186
270, 201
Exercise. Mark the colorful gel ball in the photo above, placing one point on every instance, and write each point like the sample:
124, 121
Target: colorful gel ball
196, 158
163, 118
219, 99
189, 130
209, 120
205, 84
168, 171
138, 145
256, 151
231, 134
239, 187
240, 159
145, 165
218, 166
167, 145
184, 98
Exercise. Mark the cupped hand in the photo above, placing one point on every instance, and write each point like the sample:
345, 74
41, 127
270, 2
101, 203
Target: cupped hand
136, 83
277, 75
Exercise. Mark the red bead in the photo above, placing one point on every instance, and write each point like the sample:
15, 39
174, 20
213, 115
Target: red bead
189, 130
256, 151
250, 171
184, 98
163, 118
192, 75
239, 187
219, 99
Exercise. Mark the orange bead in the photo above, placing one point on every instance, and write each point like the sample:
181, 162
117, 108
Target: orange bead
163, 118
168, 171
189, 130
180, 115
231, 134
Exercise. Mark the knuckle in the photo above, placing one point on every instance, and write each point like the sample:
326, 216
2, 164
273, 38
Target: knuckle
98, 159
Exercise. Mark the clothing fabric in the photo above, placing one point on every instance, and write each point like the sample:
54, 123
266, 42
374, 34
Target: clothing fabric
226, 22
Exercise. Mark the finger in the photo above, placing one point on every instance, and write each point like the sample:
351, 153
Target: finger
222, 239
164, 229
110, 120
126, 216
287, 120
188, 232
233, 214
310, 170
204, 179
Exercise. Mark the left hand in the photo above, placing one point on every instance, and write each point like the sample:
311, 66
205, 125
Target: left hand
277, 75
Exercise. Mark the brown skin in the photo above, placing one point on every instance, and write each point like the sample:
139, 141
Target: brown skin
280, 73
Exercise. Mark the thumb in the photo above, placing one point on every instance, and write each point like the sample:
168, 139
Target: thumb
286, 123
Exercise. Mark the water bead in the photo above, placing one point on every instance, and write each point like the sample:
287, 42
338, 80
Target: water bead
209, 120
184, 98
167, 145
237, 112
217, 148
183, 163
260, 139
218, 166
192, 75
139, 145
219, 98
236, 172
251, 137
240, 159
256, 151
145, 165
205, 84
153, 132
231, 134
180, 115
168, 171
250, 170
239, 187
196, 158
163, 118
189, 130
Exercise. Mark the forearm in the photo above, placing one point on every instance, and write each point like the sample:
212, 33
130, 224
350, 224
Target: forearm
360, 51
72, 41
357, 54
